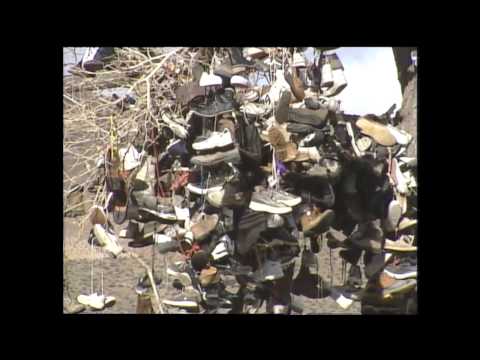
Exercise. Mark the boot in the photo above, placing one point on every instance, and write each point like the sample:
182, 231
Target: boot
238, 59
317, 118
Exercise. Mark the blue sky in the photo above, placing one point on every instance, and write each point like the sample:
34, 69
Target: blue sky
370, 71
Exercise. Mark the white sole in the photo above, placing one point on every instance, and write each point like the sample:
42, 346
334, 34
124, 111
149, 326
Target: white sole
269, 209
199, 191
218, 146
181, 304
410, 275
290, 203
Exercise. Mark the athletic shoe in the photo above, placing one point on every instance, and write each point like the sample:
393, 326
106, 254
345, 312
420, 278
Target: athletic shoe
377, 131
165, 243
364, 143
210, 80
393, 216
285, 198
404, 244
107, 240
232, 156
262, 201
204, 226
215, 140
316, 219
401, 271
188, 299
214, 184
178, 270
94, 301
237, 80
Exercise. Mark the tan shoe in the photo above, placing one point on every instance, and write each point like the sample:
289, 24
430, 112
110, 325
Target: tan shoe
317, 219
209, 276
377, 131
406, 223
97, 215
204, 226
404, 244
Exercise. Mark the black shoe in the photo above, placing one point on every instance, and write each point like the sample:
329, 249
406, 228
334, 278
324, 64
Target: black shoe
282, 108
374, 265
336, 239
354, 276
220, 104
238, 59
301, 129
316, 118
351, 255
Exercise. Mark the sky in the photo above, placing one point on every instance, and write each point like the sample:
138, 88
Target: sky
370, 71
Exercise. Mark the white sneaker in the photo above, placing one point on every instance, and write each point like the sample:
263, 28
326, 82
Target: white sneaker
130, 156
107, 240
255, 109
210, 80
299, 60
339, 83
364, 143
402, 137
220, 251
94, 301
237, 80
177, 129
216, 140
327, 77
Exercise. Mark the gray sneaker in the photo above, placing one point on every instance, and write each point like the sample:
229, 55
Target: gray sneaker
232, 156
190, 298
262, 201
286, 198
178, 270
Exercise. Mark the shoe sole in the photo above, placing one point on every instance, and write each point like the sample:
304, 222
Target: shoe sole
261, 207
408, 275
405, 288
233, 157
291, 202
199, 191
181, 304
212, 115
221, 146
407, 225
376, 131
169, 217
400, 248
